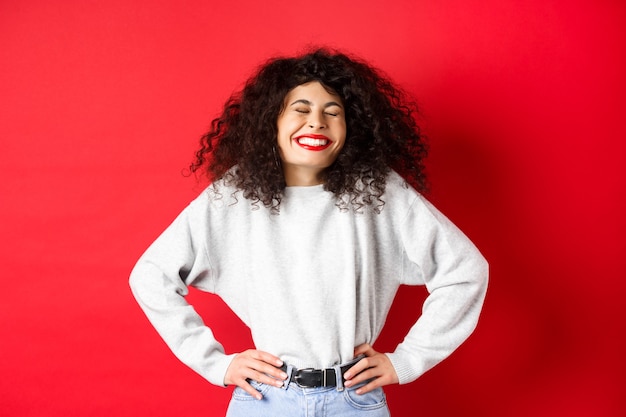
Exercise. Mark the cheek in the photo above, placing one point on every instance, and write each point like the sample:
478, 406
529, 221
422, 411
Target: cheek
343, 129
343, 134
282, 130
288, 126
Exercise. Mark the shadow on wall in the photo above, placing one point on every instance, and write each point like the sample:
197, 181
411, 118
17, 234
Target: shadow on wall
465, 184
526, 344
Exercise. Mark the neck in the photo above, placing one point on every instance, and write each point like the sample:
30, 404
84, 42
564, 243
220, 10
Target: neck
301, 177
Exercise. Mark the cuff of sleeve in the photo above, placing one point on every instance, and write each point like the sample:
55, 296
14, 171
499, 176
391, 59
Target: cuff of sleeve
217, 373
406, 370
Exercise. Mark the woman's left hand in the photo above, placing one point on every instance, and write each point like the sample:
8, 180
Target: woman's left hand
375, 366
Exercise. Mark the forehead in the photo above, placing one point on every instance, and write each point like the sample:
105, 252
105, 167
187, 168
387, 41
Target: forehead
312, 90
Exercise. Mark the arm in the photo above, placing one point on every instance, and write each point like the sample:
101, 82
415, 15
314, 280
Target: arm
159, 283
440, 256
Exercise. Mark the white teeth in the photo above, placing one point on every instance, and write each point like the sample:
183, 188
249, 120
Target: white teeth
312, 142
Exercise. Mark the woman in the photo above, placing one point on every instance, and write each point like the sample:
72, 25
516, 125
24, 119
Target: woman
313, 219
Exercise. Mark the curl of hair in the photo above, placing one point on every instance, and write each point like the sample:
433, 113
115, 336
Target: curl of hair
381, 132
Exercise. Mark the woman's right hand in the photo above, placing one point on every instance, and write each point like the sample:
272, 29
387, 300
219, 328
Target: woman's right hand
256, 365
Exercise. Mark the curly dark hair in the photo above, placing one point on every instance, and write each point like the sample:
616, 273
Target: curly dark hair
381, 132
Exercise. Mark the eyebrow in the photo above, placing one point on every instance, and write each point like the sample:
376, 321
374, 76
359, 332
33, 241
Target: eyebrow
308, 103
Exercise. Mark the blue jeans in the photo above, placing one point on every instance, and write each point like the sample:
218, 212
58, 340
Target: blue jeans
307, 402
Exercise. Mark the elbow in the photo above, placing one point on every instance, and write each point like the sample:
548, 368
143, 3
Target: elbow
481, 280
136, 280
481, 276
483, 269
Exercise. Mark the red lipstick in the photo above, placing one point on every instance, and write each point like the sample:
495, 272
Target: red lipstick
313, 142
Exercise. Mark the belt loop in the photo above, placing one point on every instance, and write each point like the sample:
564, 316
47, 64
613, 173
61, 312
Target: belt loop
289, 373
339, 376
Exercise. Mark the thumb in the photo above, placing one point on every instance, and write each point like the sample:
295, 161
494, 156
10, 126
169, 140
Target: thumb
364, 349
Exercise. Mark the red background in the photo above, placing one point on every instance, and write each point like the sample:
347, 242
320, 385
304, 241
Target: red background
101, 106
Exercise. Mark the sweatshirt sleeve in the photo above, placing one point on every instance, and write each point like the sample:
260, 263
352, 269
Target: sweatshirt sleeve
440, 256
159, 284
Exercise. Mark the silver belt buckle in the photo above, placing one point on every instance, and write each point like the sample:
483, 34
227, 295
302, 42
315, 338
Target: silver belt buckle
298, 376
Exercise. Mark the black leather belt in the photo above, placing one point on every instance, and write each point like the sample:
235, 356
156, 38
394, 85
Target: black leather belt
315, 378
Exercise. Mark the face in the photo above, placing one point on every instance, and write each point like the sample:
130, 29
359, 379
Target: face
311, 133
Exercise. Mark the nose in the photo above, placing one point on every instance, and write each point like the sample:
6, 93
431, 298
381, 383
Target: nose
316, 121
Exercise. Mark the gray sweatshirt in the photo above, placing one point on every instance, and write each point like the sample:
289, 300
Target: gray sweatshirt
313, 281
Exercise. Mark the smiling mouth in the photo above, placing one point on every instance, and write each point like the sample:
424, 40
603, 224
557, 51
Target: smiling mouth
313, 142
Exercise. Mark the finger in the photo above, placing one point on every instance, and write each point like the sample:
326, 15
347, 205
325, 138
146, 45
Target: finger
359, 367
250, 390
251, 365
245, 375
269, 364
268, 358
369, 368
264, 364
363, 376
374, 378
265, 379
262, 372
370, 386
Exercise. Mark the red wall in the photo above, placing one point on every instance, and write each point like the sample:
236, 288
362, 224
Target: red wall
101, 107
